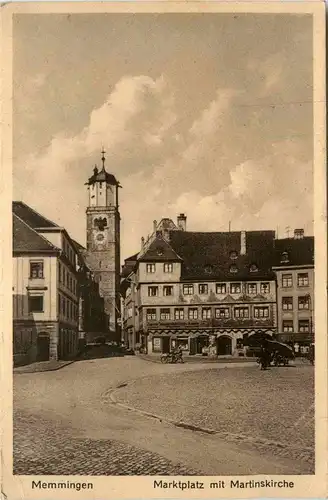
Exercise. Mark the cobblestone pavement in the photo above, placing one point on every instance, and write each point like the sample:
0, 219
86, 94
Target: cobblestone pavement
66, 424
53, 451
273, 410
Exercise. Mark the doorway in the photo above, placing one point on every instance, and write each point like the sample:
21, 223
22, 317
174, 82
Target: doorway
224, 345
165, 345
43, 343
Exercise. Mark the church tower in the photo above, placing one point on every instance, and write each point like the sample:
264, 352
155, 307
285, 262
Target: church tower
103, 241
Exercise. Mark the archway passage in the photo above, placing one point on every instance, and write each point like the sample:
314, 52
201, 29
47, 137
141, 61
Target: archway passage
224, 345
43, 343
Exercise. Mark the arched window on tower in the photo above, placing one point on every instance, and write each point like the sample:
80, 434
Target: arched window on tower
100, 264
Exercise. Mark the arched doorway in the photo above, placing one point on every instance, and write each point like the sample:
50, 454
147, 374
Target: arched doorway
224, 345
43, 343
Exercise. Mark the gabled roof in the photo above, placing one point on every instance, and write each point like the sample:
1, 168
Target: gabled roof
26, 240
166, 224
159, 251
31, 217
207, 256
299, 252
80, 248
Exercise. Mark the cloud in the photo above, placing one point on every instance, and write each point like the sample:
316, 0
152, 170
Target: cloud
216, 168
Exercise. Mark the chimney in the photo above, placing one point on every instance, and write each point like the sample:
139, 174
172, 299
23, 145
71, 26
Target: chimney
243, 243
154, 225
142, 242
182, 222
298, 234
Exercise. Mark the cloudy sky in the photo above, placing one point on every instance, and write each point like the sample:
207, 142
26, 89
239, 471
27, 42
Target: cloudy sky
206, 114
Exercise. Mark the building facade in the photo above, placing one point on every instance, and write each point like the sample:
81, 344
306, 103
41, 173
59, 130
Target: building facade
45, 289
103, 242
92, 322
204, 291
56, 301
294, 268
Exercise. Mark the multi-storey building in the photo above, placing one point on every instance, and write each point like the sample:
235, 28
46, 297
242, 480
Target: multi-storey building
103, 242
92, 317
200, 290
294, 268
48, 272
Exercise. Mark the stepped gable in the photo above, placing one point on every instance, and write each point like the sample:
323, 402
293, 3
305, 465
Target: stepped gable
26, 240
207, 256
30, 216
159, 251
300, 251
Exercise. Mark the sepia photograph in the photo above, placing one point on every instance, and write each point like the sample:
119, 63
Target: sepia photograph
164, 247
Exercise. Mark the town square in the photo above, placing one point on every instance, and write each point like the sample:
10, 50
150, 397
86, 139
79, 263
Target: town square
79, 421
164, 253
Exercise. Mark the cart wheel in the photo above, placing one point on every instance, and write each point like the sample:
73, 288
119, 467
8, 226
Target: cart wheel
164, 359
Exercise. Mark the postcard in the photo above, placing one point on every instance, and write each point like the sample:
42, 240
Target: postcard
164, 250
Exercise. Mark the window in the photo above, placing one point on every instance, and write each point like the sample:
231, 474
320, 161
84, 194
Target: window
151, 314
233, 255
167, 291
233, 269
287, 280
265, 288
168, 268
303, 279
208, 269
206, 313
253, 268
130, 312
150, 268
287, 303
59, 272
222, 312
252, 288
35, 303
59, 303
287, 326
241, 312
284, 258
261, 312
235, 288
178, 313
202, 289
221, 288
183, 342
188, 289
193, 313
152, 291
304, 302
165, 314
36, 269
304, 326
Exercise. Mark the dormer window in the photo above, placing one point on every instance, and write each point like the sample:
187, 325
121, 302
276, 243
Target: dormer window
233, 255
233, 269
253, 268
284, 258
160, 251
208, 269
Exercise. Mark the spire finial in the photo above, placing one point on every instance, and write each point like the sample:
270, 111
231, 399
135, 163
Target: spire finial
103, 159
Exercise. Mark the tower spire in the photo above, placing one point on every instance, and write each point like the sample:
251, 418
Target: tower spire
103, 159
